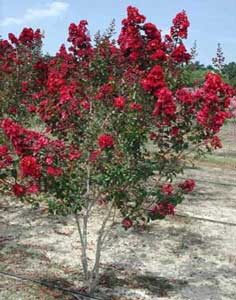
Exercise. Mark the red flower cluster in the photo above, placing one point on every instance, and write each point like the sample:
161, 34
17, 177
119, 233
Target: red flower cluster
105, 91
27, 37
187, 186
5, 158
213, 110
18, 189
130, 39
78, 36
216, 142
23, 140
133, 16
163, 209
119, 102
105, 141
154, 45
30, 167
167, 189
165, 104
185, 96
74, 154
127, 223
54, 171
180, 54
135, 106
180, 25
154, 80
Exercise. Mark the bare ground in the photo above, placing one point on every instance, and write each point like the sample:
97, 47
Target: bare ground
180, 258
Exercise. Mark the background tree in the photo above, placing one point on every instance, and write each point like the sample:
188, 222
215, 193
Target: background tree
219, 61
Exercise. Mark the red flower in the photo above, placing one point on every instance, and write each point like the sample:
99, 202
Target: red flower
12, 38
216, 142
54, 171
119, 102
174, 131
49, 159
3, 150
127, 223
105, 141
30, 167
85, 104
165, 103
187, 186
184, 96
180, 54
167, 189
135, 106
74, 154
154, 80
134, 15
152, 32
158, 54
31, 108
33, 189
180, 25
163, 209
93, 155
24, 87
18, 190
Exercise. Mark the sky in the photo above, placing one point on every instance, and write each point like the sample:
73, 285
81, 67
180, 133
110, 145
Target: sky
212, 21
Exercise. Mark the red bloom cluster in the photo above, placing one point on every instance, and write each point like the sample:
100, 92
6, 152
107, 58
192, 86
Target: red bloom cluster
5, 158
74, 154
23, 140
133, 16
54, 171
187, 186
165, 104
18, 189
21, 190
30, 167
127, 223
216, 142
104, 92
130, 39
185, 96
154, 44
105, 141
180, 54
180, 25
27, 37
163, 209
119, 102
154, 80
78, 36
213, 110
135, 106
167, 189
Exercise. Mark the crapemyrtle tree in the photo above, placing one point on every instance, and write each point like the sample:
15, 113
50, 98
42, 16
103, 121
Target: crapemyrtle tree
120, 123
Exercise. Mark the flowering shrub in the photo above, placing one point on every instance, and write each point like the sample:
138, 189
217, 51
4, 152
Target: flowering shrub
115, 115
22, 72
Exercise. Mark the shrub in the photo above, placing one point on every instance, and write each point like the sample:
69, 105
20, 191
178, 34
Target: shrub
116, 114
